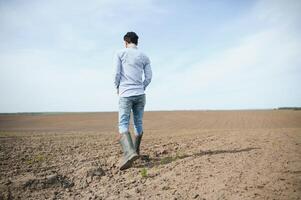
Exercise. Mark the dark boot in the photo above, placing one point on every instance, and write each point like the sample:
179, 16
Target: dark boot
129, 153
137, 143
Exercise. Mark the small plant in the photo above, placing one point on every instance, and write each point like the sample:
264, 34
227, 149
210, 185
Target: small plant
39, 158
36, 159
166, 160
144, 173
29, 162
4, 134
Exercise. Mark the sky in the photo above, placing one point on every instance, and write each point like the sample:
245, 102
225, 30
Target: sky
57, 56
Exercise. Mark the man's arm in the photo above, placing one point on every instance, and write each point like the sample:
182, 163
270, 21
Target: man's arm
117, 71
147, 73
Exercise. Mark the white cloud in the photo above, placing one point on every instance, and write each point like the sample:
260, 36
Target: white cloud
56, 55
260, 71
29, 83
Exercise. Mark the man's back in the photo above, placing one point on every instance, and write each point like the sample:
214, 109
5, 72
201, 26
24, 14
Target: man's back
130, 65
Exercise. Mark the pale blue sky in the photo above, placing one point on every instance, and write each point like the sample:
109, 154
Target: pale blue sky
207, 54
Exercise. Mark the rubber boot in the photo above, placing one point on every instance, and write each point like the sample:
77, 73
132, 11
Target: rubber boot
129, 153
137, 143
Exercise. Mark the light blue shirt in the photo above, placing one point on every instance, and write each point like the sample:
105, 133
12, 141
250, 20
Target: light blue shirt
130, 65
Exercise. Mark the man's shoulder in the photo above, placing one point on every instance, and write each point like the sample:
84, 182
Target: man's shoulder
142, 54
146, 58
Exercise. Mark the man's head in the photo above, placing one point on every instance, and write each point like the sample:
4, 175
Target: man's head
130, 37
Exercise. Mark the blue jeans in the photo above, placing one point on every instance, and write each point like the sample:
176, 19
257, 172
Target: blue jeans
126, 105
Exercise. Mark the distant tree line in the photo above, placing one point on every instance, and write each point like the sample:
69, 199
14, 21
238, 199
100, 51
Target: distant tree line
289, 108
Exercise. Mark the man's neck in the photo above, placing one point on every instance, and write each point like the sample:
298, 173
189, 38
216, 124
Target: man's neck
131, 45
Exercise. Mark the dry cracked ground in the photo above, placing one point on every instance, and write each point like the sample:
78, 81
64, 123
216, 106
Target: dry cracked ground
185, 155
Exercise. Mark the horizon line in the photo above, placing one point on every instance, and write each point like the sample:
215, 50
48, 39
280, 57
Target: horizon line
171, 110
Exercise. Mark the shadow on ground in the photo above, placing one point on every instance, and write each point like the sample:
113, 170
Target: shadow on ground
148, 162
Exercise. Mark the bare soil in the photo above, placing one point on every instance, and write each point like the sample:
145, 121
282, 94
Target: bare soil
185, 155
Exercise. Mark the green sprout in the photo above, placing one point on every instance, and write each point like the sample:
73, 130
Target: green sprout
144, 173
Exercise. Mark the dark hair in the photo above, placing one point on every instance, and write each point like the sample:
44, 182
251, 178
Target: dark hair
131, 37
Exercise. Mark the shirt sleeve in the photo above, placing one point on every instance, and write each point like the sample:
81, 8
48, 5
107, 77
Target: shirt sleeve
117, 70
147, 73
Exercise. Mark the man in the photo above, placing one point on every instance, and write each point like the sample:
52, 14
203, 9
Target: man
130, 66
